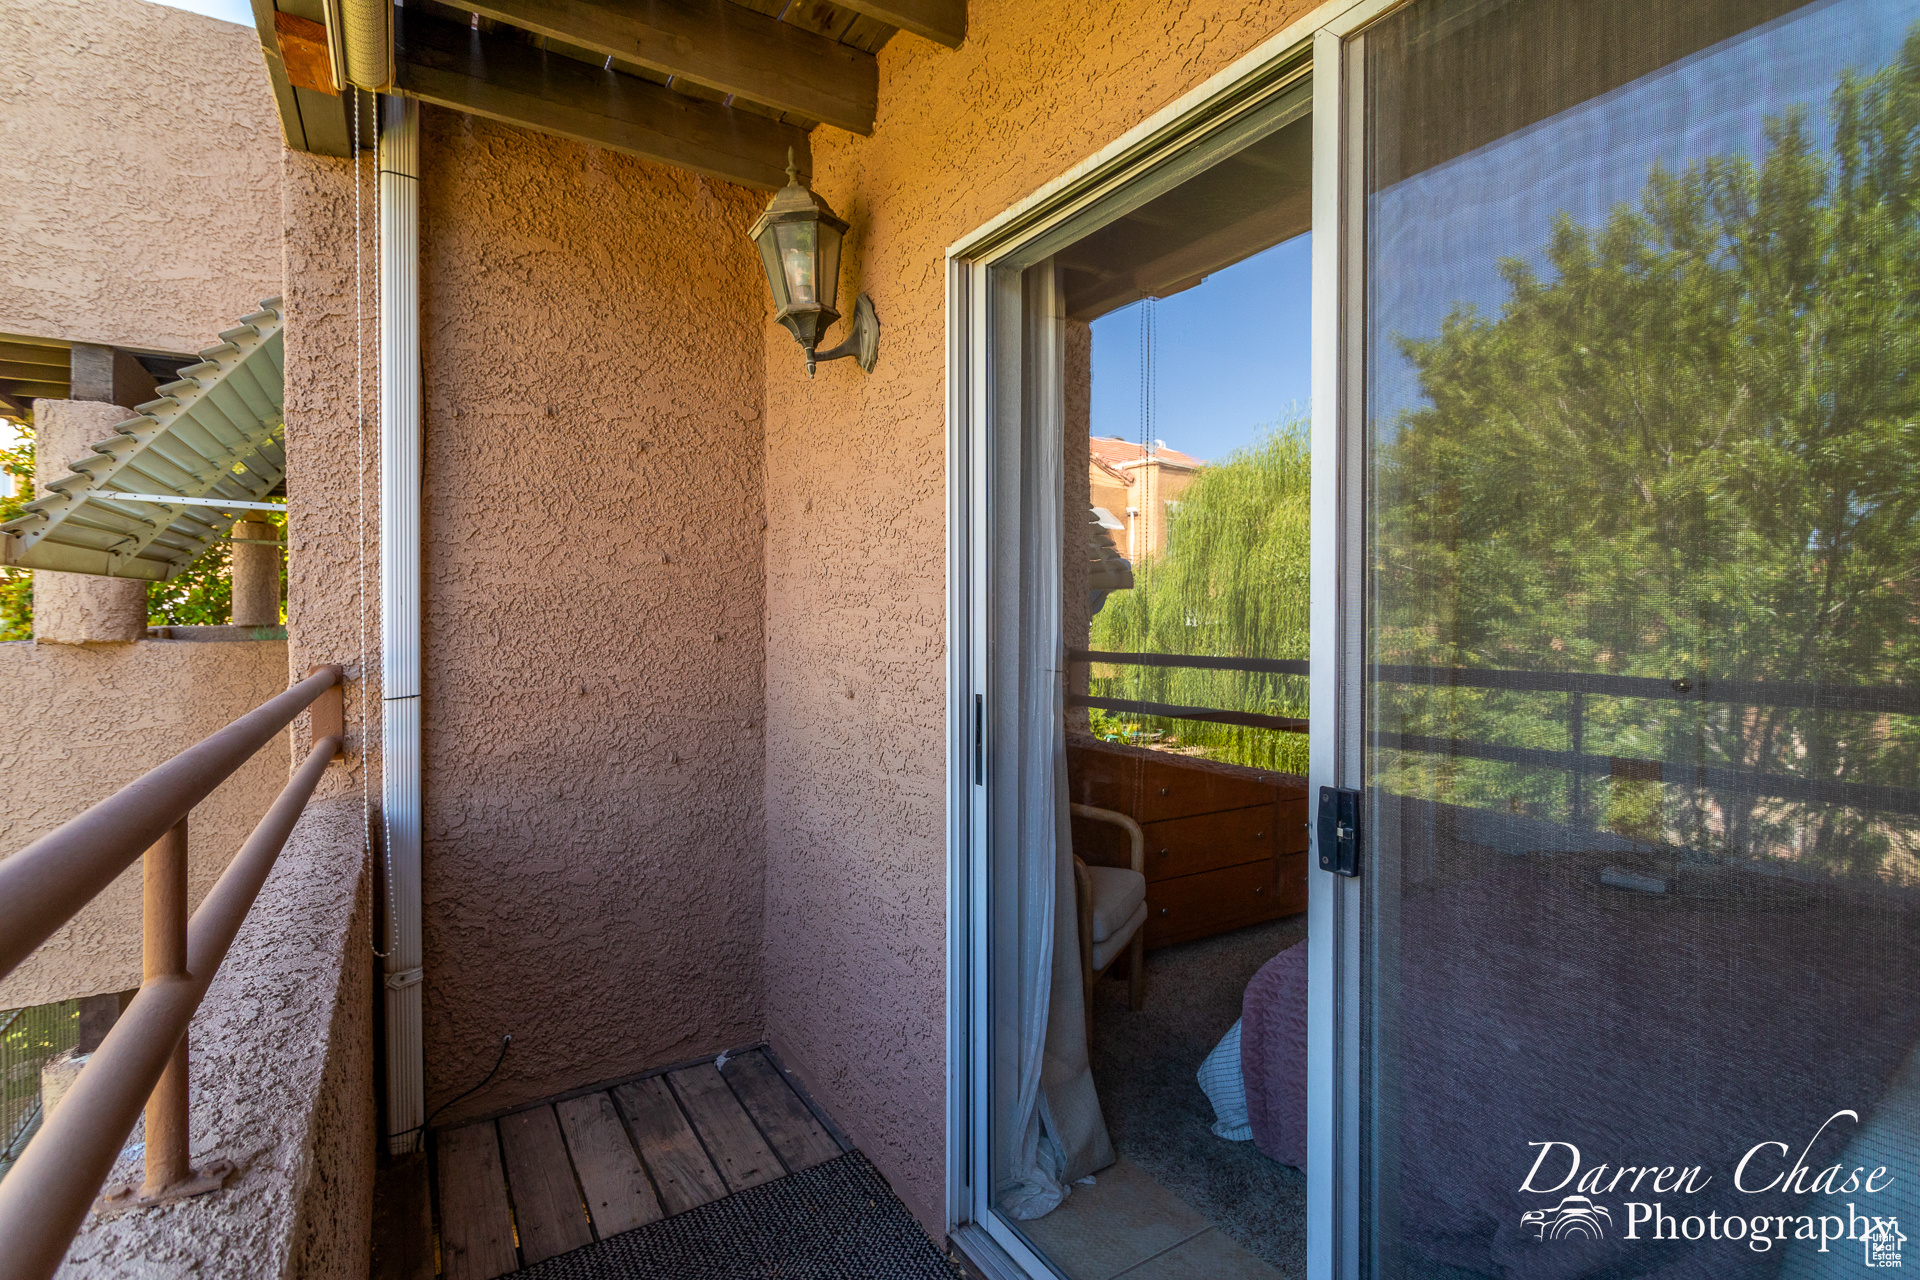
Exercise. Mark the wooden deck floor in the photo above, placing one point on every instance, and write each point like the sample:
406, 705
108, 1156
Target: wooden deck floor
562, 1174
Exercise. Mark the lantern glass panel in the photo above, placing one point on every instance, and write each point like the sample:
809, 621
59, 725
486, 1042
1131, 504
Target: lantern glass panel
776, 278
798, 260
829, 264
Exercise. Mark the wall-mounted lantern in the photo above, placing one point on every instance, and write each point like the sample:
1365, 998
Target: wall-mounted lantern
799, 240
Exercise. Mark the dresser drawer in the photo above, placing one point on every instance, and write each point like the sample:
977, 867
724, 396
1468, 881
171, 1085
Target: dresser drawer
1188, 907
1174, 787
1292, 822
1188, 846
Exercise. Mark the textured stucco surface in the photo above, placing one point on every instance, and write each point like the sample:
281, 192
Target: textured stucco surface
593, 588
79, 608
333, 451
282, 1085
139, 174
77, 723
684, 609
856, 874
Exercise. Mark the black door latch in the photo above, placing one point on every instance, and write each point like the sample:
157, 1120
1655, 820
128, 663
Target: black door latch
1340, 830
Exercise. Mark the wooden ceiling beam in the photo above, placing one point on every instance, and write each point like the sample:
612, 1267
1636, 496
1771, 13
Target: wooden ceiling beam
717, 43
23, 389
941, 21
486, 75
28, 353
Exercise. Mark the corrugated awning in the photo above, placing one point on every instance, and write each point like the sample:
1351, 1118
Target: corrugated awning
216, 433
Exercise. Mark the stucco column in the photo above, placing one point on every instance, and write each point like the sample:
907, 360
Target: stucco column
256, 575
79, 608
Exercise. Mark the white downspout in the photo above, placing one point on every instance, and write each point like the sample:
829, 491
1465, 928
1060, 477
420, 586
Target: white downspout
400, 608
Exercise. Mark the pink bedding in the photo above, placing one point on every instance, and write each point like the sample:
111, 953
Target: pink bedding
1273, 1056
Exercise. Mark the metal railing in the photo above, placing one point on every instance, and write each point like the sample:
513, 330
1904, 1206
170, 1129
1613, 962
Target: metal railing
1576, 761
143, 1060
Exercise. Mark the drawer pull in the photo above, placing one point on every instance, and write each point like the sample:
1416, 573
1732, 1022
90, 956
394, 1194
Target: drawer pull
1259, 835
1163, 791
1165, 852
1163, 911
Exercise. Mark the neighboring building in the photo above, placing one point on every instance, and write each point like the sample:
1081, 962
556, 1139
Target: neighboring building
140, 200
1140, 488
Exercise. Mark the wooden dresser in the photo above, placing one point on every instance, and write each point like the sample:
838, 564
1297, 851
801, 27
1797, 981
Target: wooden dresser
1226, 845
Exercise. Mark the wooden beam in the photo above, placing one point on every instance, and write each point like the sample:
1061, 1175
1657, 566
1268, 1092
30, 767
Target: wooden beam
720, 44
303, 52
941, 21
458, 67
310, 120
28, 353
21, 389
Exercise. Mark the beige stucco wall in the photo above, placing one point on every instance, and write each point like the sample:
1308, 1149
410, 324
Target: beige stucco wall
282, 1085
627, 552
139, 174
592, 702
856, 874
82, 721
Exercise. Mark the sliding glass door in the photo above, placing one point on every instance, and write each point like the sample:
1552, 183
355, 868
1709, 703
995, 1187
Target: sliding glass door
1632, 389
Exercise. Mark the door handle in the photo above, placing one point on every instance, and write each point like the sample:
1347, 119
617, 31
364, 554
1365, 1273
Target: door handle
1340, 830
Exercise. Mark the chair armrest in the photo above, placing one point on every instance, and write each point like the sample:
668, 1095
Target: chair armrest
1136, 838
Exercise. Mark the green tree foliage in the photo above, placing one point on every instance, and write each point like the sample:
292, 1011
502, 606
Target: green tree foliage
16, 585
202, 593
1689, 449
1231, 583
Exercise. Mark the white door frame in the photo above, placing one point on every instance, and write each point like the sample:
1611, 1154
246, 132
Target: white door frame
1155, 155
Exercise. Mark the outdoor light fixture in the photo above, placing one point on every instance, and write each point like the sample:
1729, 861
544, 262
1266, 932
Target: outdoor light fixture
799, 240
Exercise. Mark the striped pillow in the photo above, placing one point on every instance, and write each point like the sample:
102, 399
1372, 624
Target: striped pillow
1226, 1088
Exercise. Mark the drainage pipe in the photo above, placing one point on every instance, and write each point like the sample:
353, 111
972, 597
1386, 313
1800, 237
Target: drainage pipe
400, 608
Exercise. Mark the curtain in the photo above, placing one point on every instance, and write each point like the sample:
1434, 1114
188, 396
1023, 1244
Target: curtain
1053, 1131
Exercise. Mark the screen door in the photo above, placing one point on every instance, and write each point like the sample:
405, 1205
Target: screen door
1634, 367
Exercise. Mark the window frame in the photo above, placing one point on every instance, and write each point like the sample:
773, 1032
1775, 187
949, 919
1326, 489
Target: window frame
983, 338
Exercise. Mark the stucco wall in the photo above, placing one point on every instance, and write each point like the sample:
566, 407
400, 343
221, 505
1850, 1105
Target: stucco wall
282, 1085
139, 174
593, 587
856, 873
82, 721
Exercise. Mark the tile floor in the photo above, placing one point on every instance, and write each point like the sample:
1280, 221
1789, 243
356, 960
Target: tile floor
1127, 1225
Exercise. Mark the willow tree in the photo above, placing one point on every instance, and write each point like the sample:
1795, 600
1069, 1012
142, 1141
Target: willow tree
1232, 582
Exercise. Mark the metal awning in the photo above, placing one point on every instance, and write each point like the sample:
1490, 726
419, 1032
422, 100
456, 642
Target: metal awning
216, 433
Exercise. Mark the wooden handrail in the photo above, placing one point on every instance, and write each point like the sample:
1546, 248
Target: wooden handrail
143, 1060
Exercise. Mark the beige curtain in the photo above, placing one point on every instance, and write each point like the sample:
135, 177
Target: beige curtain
1054, 1132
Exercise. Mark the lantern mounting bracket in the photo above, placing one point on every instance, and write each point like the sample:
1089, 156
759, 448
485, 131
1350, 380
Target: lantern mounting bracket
863, 340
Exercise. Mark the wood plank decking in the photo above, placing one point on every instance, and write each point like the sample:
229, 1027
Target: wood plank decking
561, 1174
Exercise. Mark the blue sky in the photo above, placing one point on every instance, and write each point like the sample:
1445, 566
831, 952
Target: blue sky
1231, 357
239, 11
1232, 354
1436, 238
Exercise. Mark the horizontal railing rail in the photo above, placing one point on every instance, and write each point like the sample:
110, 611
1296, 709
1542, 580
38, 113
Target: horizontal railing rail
1579, 686
1172, 711
1889, 699
143, 1060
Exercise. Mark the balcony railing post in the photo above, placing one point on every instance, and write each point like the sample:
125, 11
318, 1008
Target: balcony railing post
164, 959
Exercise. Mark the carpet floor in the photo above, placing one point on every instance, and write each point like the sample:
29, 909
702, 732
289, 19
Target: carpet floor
1144, 1065
835, 1221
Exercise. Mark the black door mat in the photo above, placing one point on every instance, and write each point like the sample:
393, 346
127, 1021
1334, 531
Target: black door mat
835, 1221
